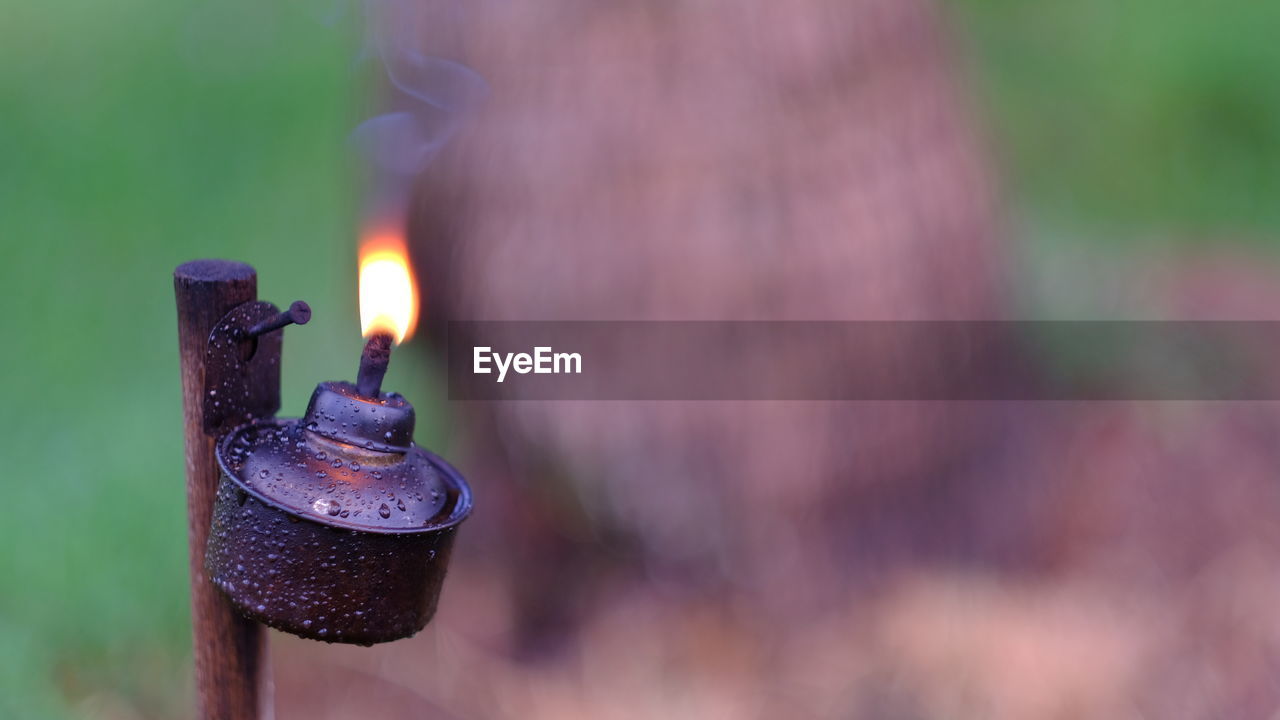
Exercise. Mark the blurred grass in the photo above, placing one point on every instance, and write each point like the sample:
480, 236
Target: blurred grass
138, 134
1139, 119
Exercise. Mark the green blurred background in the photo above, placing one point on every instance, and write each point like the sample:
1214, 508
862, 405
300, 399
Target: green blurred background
138, 134
1134, 119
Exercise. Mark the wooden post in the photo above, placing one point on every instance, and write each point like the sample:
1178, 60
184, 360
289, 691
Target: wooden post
230, 651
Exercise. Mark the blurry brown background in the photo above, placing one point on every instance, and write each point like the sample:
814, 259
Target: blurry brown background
811, 160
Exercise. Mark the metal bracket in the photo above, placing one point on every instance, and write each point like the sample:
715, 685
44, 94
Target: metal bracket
242, 372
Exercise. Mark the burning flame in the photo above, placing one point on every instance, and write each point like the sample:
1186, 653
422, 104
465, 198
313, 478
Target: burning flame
388, 294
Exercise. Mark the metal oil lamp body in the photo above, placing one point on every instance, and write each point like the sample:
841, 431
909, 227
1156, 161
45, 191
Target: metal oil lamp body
335, 526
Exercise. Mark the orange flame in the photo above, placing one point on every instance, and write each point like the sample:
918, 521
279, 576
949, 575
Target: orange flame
388, 293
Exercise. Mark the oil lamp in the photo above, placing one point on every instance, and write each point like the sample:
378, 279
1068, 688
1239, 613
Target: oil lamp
334, 526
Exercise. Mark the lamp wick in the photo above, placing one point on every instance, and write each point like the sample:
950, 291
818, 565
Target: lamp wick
373, 365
